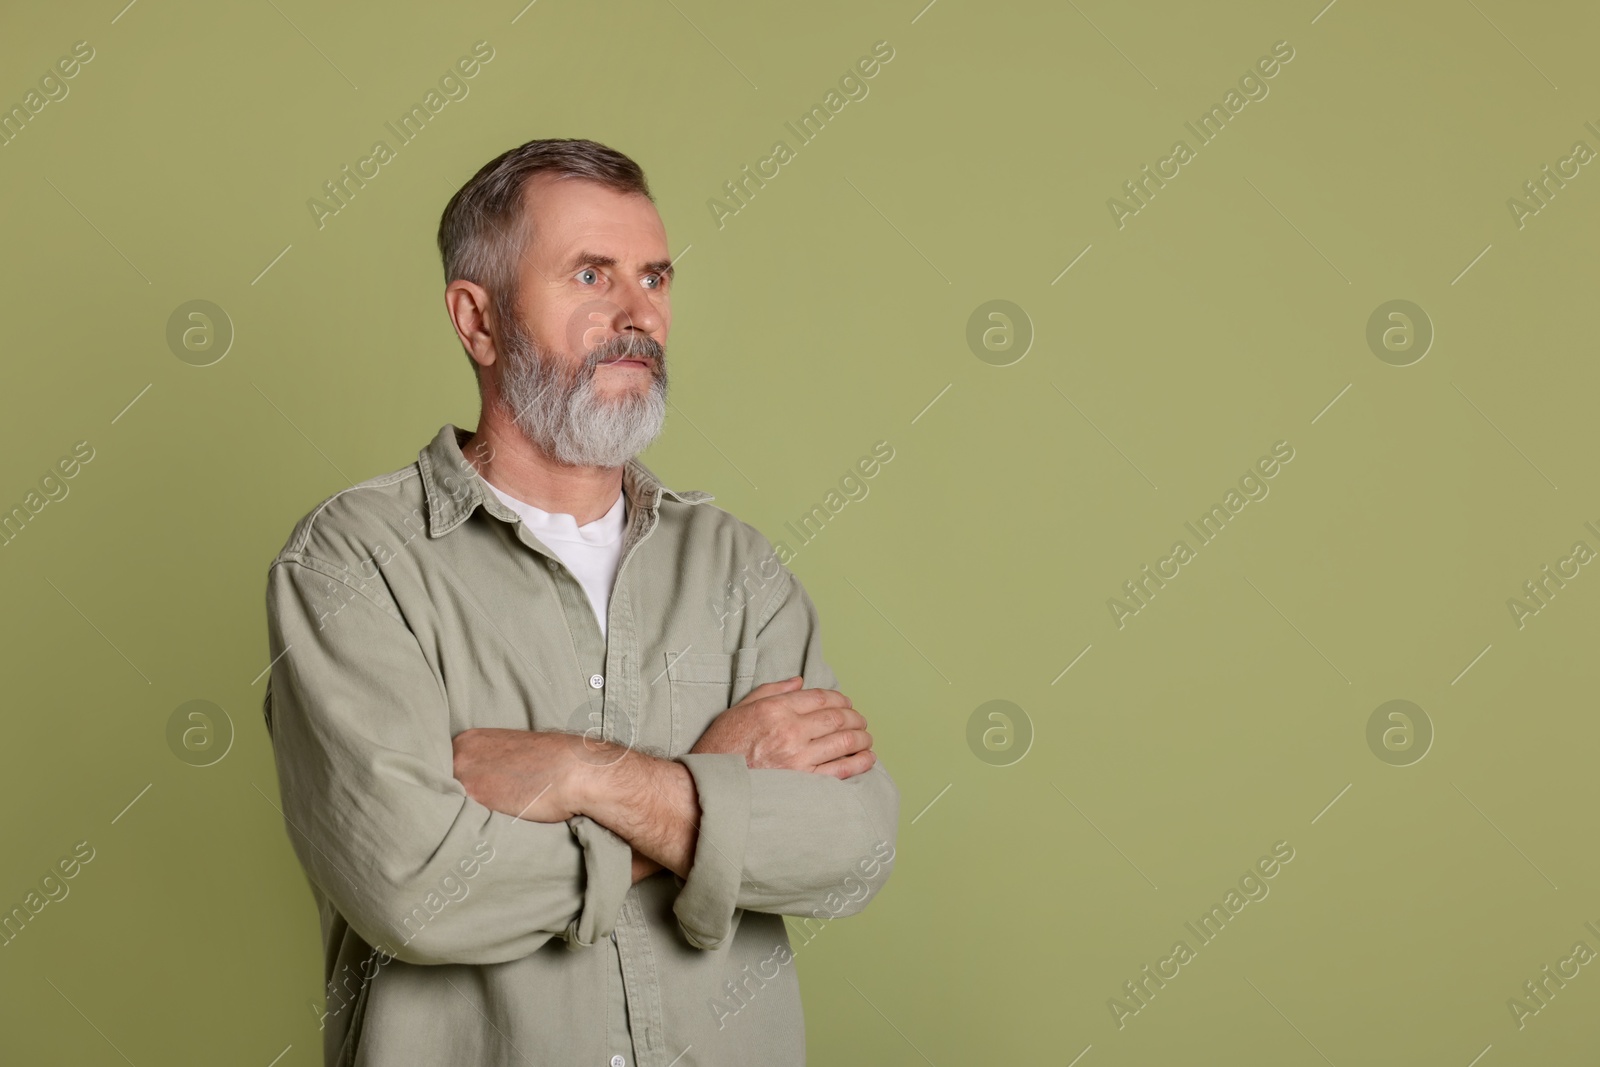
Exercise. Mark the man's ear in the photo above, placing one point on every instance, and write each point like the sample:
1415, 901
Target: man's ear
471, 312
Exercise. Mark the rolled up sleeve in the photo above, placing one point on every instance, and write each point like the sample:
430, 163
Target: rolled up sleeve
362, 742
704, 907
786, 842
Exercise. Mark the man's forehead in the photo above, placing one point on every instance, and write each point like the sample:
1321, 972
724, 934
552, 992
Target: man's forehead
569, 215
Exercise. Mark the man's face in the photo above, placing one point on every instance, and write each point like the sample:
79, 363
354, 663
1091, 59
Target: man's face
583, 367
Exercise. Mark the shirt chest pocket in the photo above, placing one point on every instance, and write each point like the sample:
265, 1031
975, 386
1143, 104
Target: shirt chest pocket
703, 685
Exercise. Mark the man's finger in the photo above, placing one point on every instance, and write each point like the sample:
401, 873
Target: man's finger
806, 701
773, 688
849, 766
831, 720
839, 744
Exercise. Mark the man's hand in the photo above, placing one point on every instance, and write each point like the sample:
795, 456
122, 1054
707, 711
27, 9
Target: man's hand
781, 726
527, 774
644, 866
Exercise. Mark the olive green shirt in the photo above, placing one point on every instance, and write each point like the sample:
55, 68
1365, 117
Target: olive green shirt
416, 605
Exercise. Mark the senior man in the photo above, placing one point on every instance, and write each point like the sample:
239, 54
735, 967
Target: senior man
557, 745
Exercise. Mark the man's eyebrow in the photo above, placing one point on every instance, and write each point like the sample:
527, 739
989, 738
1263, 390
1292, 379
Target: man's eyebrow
589, 259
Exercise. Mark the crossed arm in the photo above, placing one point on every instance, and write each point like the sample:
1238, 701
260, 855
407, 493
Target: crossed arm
650, 802
386, 811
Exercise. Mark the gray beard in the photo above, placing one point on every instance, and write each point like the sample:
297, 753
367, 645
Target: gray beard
567, 417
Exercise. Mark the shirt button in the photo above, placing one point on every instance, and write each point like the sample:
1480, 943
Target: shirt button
552, 564
596, 681
618, 1061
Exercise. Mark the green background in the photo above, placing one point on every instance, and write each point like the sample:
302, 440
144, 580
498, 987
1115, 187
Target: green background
822, 318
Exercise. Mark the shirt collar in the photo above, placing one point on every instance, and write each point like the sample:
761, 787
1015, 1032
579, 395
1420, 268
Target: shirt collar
454, 490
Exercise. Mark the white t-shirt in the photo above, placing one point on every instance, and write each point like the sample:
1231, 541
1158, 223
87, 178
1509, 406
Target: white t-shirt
591, 552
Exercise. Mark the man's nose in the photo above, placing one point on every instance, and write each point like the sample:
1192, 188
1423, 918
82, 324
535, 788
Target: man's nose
636, 312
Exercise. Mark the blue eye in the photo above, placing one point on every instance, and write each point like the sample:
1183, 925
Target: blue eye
652, 281
588, 270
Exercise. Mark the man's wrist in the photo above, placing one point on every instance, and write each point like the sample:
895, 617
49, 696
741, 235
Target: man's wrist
607, 778
646, 800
